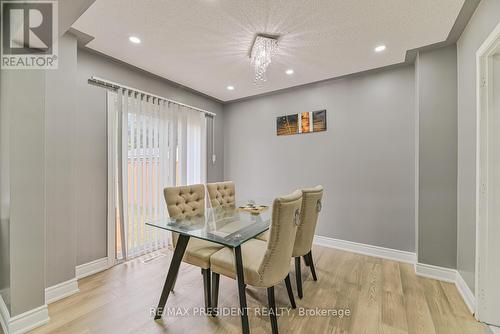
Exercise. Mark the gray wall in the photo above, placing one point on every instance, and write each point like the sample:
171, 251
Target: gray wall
23, 95
4, 193
482, 23
34, 103
4, 259
54, 189
90, 142
60, 178
436, 73
365, 160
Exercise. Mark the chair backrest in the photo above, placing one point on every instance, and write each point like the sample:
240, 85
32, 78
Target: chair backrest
221, 193
275, 265
183, 202
311, 206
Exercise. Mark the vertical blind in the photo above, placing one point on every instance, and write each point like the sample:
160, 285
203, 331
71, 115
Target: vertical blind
159, 144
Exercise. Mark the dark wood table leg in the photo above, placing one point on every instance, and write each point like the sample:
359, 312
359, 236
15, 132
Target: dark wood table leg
241, 290
182, 243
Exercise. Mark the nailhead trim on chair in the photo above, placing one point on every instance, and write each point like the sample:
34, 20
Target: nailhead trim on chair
267, 257
305, 232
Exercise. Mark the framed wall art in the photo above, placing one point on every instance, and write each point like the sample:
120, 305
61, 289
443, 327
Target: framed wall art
305, 122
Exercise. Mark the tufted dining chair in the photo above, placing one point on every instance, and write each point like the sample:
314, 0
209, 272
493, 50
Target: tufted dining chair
311, 207
189, 202
221, 194
265, 264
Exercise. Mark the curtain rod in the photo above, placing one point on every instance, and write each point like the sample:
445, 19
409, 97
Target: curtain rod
115, 86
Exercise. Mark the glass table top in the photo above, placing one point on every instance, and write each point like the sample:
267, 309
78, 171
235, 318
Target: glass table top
227, 225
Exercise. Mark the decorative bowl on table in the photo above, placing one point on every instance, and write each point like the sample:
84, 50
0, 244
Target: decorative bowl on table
253, 208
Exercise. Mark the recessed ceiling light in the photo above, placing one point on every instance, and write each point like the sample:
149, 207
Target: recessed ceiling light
134, 39
289, 72
230, 87
380, 48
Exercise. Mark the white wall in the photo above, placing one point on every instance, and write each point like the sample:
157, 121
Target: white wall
365, 160
484, 20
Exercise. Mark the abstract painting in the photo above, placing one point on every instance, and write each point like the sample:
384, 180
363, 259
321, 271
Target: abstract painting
287, 125
319, 120
304, 122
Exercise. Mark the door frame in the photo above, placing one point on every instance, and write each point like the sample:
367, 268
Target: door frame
111, 177
484, 108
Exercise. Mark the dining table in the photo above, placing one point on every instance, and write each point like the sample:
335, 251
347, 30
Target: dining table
229, 226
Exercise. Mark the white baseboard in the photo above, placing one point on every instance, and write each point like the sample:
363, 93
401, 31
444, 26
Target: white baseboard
466, 293
421, 269
435, 272
493, 329
376, 251
4, 316
91, 268
61, 290
23, 322
449, 275
26, 321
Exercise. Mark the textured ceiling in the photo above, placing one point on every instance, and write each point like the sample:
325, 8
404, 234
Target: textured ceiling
204, 44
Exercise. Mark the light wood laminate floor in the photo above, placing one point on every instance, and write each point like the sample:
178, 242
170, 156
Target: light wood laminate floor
383, 297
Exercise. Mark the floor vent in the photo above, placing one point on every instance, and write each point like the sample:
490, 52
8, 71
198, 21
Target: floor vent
152, 257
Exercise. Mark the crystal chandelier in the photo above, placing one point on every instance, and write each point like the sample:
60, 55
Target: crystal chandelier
264, 47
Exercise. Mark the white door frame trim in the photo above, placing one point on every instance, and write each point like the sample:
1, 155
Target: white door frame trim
111, 189
483, 77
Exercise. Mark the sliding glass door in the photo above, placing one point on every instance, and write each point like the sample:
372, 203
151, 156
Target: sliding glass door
154, 144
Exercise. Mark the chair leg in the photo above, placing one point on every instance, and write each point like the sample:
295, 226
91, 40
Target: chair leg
289, 290
272, 310
215, 292
306, 260
207, 287
311, 265
298, 277
173, 284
